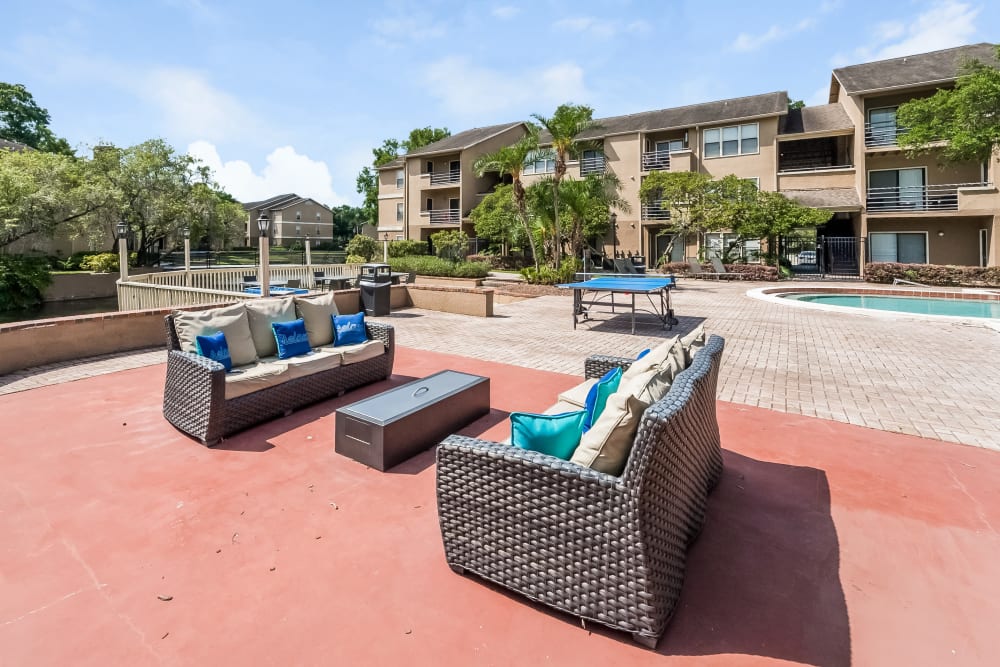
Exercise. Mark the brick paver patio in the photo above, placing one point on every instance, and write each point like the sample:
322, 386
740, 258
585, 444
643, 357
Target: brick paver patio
933, 379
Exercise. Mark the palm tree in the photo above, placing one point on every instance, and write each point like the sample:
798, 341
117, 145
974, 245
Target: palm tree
567, 123
509, 161
587, 203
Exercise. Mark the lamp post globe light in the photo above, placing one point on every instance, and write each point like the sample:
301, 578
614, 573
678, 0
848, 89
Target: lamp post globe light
263, 223
123, 250
187, 255
614, 237
385, 247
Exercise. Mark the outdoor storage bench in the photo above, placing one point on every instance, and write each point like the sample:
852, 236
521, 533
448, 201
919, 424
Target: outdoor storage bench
204, 400
607, 548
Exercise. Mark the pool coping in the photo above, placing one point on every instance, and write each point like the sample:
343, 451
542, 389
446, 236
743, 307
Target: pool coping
775, 294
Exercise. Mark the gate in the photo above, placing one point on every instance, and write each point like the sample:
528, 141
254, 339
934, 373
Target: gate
821, 255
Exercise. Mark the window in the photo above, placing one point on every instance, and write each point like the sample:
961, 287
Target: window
399, 179
298, 215
903, 247
896, 189
755, 180
317, 230
728, 247
399, 212
984, 247
591, 162
298, 230
881, 129
541, 162
430, 167
735, 140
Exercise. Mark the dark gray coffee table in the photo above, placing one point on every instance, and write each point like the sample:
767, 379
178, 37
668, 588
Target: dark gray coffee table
388, 428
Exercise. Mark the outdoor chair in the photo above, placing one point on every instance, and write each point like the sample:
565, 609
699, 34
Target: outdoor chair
720, 268
697, 271
626, 267
294, 283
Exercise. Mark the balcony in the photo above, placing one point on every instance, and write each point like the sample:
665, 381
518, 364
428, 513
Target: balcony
656, 210
591, 165
656, 161
450, 177
882, 133
443, 216
916, 198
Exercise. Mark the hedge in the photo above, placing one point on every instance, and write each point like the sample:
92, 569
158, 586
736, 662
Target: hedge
426, 265
934, 274
759, 272
508, 262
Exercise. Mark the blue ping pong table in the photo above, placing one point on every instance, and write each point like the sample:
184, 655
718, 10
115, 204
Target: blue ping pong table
656, 291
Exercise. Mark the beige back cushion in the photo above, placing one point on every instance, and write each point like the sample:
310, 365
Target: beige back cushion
669, 348
230, 320
693, 342
317, 313
606, 446
653, 384
262, 313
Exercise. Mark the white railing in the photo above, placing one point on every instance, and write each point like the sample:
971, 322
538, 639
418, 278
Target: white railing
656, 160
443, 216
591, 165
442, 177
655, 211
170, 289
882, 133
916, 198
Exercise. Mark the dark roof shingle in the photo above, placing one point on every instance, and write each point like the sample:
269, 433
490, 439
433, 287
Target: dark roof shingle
462, 140
6, 144
823, 118
922, 68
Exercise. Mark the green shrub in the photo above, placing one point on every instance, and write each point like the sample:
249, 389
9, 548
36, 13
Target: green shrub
452, 244
355, 259
105, 262
22, 281
547, 275
363, 246
506, 262
407, 248
425, 265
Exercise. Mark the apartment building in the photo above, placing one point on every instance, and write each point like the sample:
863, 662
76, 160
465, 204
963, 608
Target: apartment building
293, 219
841, 157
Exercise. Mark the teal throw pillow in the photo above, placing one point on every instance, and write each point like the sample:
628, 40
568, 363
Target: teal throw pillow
215, 348
556, 435
349, 329
597, 397
291, 338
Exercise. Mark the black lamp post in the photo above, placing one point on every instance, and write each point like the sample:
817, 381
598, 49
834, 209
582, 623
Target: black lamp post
614, 236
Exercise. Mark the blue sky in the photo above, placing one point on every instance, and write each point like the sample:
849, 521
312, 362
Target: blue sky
292, 96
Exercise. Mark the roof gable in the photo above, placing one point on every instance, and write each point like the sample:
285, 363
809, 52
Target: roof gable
920, 69
463, 140
823, 118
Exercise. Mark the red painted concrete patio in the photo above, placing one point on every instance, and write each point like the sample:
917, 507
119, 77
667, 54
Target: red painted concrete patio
825, 544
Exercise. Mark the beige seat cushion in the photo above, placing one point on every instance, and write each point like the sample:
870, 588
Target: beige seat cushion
262, 313
317, 312
230, 320
578, 395
606, 446
254, 377
352, 354
314, 362
561, 407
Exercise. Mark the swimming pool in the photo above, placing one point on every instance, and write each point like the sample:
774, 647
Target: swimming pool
904, 304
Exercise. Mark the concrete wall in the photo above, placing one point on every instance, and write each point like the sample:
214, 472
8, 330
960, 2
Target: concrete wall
814, 180
68, 286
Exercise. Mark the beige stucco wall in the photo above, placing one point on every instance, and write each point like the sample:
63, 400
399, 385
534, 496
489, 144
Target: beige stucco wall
937, 173
477, 302
762, 165
959, 245
813, 180
387, 181
473, 185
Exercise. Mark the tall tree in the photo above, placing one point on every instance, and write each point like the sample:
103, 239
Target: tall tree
497, 219
966, 117
367, 181
587, 204
684, 194
509, 161
22, 120
347, 221
565, 125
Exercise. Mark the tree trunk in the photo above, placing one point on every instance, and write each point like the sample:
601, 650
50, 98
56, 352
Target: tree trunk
522, 210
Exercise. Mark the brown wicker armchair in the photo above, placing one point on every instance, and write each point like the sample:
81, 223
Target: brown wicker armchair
607, 549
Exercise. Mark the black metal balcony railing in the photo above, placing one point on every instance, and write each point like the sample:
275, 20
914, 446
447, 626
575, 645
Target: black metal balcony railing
591, 165
443, 177
799, 166
656, 160
655, 211
443, 216
916, 198
882, 133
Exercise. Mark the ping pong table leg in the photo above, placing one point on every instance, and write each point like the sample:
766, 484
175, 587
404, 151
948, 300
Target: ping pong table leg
633, 312
577, 306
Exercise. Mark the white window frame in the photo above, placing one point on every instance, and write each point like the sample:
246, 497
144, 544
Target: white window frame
400, 178
739, 140
755, 179
927, 242
545, 156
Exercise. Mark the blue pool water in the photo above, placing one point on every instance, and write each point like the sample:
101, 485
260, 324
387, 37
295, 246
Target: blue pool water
905, 304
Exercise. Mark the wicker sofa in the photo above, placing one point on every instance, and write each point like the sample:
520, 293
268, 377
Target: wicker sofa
607, 549
200, 399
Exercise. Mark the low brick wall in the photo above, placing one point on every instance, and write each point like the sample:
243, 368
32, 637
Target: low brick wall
448, 282
70, 286
461, 300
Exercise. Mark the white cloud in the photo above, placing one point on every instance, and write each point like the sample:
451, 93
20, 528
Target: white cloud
600, 28
945, 24
505, 12
191, 107
395, 31
285, 171
485, 90
747, 42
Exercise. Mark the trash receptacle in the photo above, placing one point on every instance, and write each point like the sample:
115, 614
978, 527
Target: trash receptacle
375, 286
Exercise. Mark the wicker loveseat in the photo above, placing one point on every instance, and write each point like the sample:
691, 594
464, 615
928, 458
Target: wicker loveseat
201, 399
608, 549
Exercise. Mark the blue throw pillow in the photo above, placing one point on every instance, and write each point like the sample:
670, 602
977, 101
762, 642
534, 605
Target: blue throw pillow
597, 397
292, 338
642, 354
215, 348
556, 435
349, 329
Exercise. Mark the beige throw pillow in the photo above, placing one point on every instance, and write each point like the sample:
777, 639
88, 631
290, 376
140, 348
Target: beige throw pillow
317, 313
606, 446
693, 342
262, 313
230, 320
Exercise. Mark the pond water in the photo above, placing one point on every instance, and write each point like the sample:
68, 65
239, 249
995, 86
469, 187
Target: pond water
61, 309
